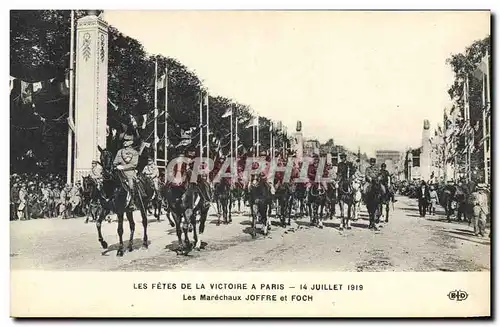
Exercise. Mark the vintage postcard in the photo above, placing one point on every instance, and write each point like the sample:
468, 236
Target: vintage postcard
250, 163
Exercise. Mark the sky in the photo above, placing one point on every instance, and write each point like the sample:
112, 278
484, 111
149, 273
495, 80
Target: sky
365, 79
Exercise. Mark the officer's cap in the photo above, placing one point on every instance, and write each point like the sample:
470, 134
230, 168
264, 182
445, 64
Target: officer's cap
373, 160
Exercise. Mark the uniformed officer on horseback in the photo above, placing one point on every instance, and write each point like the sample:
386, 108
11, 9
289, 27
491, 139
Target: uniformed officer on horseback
126, 161
386, 180
371, 175
152, 172
96, 173
345, 171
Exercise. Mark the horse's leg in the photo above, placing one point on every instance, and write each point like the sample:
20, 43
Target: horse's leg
232, 203
195, 231
144, 224
349, 215
119, 230
131, 223
254, 212
387, 212
320, 222
98, 224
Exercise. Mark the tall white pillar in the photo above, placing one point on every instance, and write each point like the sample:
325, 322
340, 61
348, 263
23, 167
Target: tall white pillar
91, 91
425, 154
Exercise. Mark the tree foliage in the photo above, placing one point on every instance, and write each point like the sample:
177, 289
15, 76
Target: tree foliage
40, 42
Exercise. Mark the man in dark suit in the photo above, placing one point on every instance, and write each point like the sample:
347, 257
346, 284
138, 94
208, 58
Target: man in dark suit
423, 196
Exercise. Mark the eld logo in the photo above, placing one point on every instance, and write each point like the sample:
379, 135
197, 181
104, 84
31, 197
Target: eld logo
458, 295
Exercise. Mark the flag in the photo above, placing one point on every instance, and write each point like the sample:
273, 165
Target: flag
37, 86
205, 99
12, 83
481, 69
26, 92
229, 112
115, 107
271, 126
134, 122
183, 143
253, 122
161, 82
144, 121
186, 134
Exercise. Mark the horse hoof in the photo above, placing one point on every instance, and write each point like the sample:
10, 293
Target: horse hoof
104, 244
130, 249
119, 253
145, 245
349, 227
341, 228
172, 224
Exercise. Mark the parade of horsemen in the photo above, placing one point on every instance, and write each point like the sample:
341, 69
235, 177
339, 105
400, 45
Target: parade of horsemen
142, 155
272, 185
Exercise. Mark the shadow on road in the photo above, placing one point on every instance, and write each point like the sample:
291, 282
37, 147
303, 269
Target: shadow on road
246, 223
136, 245
477, 241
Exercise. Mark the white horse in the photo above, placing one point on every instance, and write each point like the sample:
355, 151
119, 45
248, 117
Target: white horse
356, 186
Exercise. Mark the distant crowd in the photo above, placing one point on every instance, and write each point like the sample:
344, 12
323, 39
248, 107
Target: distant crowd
35, 196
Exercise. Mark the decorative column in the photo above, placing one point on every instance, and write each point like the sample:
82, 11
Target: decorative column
425, 155
91, 91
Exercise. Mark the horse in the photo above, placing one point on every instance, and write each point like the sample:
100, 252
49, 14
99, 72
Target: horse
238, 194
373, 198
91, 198
114, 197
316, 200
349, 194
299, 196
260, 198
185, 202
385, 203
224, 201
284, 195
331, 198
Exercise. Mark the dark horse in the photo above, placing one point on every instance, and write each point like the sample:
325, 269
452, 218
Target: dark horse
300, 197
316, 204
185, 202
238, 194
90, 198
224, 200
113, 197
373, 199
284, 194
331, 198
260, 198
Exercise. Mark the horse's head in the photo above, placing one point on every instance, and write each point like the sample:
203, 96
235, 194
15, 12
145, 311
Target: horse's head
106, 159
87, 181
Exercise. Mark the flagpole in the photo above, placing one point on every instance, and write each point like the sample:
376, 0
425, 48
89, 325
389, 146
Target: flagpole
208, 129
236, 137
488, 118
156, 114
258, 137
71, 91
231, 142
165, 136
201, 124
468, 124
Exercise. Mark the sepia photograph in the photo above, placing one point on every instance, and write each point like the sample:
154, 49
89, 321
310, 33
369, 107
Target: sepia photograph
245, 143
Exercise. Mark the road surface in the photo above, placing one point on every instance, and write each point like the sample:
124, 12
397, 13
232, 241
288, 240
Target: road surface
407, 243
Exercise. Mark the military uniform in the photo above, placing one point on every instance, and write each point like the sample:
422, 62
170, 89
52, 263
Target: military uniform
371, 174
152, 172
386, 181
127, 159
480, 211
96, 174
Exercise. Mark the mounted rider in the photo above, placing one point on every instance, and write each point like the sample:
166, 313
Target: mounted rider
126, 161
201, 182
371, 175
345, 171
152, 172
96, 173
386, 180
